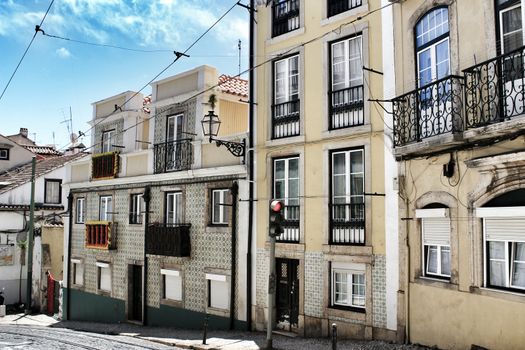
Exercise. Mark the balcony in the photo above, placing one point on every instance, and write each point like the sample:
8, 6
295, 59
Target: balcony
286, 119
347, 224
290, 225
432, 110
346, 107
173, 156
285, 16
105, 165
101, 235
168, 239
339, 6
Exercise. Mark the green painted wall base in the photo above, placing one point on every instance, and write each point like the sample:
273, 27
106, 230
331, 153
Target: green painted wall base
93, 307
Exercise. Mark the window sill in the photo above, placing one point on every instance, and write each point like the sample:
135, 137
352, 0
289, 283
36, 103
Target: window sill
285, 36
349, 131
435, 282
135, 224
217, 229
347, 249
173, 303
285, 141
348, 313
498, 293
345, 15
217, 312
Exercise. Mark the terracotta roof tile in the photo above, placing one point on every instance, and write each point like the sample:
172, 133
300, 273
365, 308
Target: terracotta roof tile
233, 85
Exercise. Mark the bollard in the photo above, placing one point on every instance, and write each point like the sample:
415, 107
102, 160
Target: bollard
205, 329
334, 336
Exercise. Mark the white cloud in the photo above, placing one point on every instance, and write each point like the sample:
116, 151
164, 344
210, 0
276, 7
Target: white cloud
63, 52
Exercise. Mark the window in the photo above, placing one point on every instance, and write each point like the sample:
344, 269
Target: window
285, 16
511, 39
286, 189
78, 272
107, 140
346, 83
220, 212
4, 154
347, 197
218, 291
80, 210
285, 120
174, 137
52, 190
103, 276
348, 286
435, 233
338, 6
136, 208
171, 284
106, 208
173, 208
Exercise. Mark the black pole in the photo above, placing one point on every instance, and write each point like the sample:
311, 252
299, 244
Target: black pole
69, 236
234, 191
146, 196
251, 118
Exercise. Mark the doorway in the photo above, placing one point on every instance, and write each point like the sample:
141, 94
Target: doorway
287, 294
135, 293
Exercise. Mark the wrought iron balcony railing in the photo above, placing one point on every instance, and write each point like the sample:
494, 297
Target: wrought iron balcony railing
338, 6
285, 16
495, 89
101, 234
290, 225
105, 165
346, 107
168, 239
286, 119
347, 224
173, 156
434, 109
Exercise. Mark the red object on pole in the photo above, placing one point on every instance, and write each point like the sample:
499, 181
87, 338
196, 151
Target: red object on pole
50, 293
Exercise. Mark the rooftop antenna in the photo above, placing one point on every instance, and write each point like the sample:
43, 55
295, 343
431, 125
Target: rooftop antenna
239, 46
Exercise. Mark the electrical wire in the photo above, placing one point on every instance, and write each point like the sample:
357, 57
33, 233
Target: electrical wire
27, 49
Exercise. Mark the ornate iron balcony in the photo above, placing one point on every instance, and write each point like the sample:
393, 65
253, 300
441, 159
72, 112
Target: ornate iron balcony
168, 239
101, 234
346, 107
173, 156
495, 89
286, 119
105, 165
347, 224
338, 6
290, 225
434, 109
285, 16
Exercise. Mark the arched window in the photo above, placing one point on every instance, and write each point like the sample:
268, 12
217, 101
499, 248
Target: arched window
432, 46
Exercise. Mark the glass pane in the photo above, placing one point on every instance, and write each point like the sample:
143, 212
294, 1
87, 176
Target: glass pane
169, 209
356, 185
519, 251
431, 26
293, 168
356, 66
512, 41
339, 163
293, 188
339, 186
279, 190
497, 250
511, 20
425, 67
432, 257
171, 129
216, 207
442, 59
445, 261
279, 169
338, 65
356, 162
497, 273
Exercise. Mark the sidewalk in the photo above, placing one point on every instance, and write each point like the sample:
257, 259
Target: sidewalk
192, 339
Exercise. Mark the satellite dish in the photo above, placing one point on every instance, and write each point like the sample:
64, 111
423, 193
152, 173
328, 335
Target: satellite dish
21, 237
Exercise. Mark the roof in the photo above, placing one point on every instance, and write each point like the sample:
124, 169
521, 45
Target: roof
44, 150
21, 139
38, 206
233, 85
21, 175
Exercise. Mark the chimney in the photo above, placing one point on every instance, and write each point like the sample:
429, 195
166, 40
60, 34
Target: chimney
23, 132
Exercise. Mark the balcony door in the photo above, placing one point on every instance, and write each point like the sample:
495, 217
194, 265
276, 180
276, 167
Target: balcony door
173, 208
285, 121
174, 135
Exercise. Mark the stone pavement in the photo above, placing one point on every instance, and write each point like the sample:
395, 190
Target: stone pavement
192, 339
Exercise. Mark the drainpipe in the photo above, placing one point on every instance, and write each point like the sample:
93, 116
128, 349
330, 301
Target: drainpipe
407, 278
234, 191
251, 117
30, 238
146, 197
69, 236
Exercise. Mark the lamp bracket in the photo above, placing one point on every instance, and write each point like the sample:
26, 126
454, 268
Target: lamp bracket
235, 148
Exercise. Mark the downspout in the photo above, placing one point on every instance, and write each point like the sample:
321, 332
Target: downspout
146, 197
251, 118
407, 278
234, 191
69, 236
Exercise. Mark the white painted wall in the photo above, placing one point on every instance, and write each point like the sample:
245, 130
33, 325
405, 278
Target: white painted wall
18, 155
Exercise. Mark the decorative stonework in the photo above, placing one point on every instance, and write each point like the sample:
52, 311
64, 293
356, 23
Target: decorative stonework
313, 284
379, 291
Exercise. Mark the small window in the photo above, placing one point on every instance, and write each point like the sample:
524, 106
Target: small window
435, 236
103, 276
173, 208
285, 16
80, 210
339, 6
171, 284
4, 154
106, 208
107, 140
348, 286
218, 291
78, 272
136, 208
220, 211
52, 191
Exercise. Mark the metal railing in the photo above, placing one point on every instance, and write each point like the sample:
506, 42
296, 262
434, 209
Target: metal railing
168, 239
285, 16
495, 89
286, 119
346, 107
173, 156
338, 6
290, 225
100, 234
347, 223
434, 109
105, 165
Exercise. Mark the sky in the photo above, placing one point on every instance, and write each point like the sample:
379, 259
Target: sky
58, 74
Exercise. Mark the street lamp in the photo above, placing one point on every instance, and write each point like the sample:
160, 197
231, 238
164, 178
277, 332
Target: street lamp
210, 127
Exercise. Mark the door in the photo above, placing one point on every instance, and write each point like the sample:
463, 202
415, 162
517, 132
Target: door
135, 293
174, 136
287, 293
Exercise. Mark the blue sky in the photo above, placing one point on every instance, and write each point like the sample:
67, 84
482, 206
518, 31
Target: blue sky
57, 74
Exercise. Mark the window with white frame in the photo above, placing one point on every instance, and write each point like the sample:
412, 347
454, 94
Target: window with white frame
286, 185
348, 285
52, 190
106, 208
136, 208
78, 272
286, 84
171, 284
347, 64
435, 237
173, 208
107, 140
220, 209
218, 291
80, 210
4, 153
510, 25
103, 276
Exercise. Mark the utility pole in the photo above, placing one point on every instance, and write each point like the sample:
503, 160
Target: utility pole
30, 240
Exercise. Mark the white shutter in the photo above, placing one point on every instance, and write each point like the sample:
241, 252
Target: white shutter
436, 231
505, 229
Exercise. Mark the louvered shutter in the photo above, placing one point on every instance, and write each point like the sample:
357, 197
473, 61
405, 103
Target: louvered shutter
436, 231
505, 229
